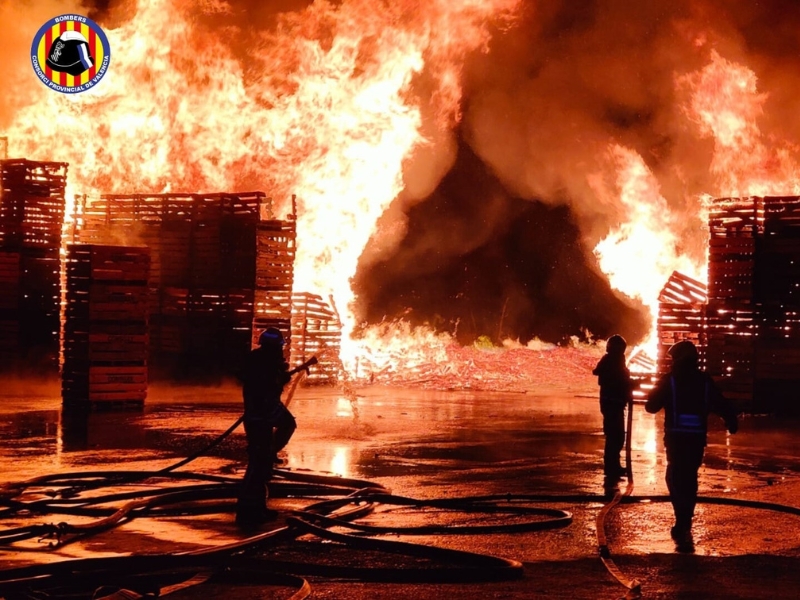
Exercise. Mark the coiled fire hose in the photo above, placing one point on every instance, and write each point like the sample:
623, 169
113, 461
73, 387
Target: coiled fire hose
351, 500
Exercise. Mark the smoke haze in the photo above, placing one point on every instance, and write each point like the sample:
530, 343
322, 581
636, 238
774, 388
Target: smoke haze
504, 203
541, 110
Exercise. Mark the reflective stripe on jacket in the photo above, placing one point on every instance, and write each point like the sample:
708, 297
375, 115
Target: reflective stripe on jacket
687, 422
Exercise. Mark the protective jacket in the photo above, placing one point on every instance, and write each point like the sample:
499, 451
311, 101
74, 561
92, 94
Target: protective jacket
688, 396
614, 380
264, 375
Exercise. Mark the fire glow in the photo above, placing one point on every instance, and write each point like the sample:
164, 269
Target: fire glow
641, 253
330, 115
330, 104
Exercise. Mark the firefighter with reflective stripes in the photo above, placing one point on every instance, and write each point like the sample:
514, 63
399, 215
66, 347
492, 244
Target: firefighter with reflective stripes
688, 396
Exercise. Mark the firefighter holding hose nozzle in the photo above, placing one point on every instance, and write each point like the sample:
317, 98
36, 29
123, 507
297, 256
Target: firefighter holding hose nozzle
268, 424
687, 395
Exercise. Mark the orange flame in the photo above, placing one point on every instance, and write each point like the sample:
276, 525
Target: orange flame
642, 252
329, 107
726, 106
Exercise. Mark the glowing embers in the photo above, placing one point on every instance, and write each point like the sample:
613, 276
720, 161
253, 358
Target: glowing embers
753, 329
681, 315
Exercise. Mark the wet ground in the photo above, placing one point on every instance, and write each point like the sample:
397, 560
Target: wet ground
433, 445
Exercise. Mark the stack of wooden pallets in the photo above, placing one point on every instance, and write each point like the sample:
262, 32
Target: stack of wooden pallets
104, 333
274, 277
203, 272
681, 316
32, 205
316, 331
753, 314
734, 226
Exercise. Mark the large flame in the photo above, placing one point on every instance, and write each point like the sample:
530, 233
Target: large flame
330, 104
639, 255
327, 105
726, 106
642, 252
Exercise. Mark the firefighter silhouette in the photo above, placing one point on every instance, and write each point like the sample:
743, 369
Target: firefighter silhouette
69, 53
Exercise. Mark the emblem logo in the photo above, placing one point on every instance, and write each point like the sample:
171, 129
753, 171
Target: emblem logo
70, 54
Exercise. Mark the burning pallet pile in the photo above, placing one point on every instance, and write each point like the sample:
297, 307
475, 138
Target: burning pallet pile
753, 315
748, 329
222, 271
203, 270
32, 205
316, 331
681, 316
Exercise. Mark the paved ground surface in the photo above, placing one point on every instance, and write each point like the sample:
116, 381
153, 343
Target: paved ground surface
429, 445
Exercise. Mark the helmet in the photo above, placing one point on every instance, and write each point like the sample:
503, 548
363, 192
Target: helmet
616, 344
684, 352
69, 53
271, 336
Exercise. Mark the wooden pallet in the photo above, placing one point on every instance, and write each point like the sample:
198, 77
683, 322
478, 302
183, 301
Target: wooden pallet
681, 316
274, 278
316, 331
275, 255
734, 217
32, 203
105, 334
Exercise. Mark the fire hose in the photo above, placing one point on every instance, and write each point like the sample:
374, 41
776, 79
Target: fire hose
351, 499
632, 585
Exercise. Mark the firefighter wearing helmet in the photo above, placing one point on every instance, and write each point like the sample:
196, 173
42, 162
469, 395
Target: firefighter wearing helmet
616, 392
268, 424
687, 395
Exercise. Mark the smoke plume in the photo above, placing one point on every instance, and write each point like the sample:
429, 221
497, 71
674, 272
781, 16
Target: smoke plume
505, 200
540, 112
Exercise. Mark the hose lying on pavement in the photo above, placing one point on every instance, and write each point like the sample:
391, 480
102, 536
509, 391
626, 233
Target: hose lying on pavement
351, 499
455, 565
158, 494
632, 586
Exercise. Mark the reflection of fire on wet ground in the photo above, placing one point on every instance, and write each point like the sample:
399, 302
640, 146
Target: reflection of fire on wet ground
464, 444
